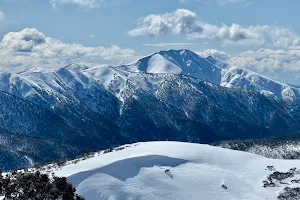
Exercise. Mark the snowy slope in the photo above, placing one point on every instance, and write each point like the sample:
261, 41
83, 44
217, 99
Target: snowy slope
196, 172
245, 79
171, 95
177, 62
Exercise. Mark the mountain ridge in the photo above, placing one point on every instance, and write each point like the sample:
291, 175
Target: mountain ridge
225, 76
103, 106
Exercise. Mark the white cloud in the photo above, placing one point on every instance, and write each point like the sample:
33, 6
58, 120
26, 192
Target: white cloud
31, 48
258, 35
2, 16
186, 22
220, 55
269, 60
282, 65
25, 40
181, 21
168, 44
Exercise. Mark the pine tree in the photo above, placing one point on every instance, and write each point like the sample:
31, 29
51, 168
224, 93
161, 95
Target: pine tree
36, 186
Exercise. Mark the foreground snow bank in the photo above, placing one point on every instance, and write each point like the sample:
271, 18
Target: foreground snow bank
174, 170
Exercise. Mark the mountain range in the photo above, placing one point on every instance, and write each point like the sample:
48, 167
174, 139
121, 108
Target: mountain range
171, 95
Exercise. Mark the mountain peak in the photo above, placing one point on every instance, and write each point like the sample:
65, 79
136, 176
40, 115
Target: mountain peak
182, 61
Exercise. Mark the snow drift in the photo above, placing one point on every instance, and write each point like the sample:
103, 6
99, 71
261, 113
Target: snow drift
199, 172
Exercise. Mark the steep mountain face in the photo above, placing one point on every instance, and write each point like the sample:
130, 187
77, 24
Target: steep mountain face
171, 95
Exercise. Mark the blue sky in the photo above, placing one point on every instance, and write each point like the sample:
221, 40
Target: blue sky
261, 35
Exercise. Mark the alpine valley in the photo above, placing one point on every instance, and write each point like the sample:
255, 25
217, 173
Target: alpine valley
176, 95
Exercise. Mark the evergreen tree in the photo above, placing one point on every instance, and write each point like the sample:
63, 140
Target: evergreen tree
36, 186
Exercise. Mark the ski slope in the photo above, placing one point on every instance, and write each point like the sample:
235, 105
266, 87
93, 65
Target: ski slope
194, 172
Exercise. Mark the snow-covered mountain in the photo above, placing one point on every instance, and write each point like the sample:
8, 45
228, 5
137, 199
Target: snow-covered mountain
188, 63
176, 171
170, 95
178, 62
245, 79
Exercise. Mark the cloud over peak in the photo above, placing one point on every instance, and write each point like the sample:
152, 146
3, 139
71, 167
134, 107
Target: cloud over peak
187, 23
180, 21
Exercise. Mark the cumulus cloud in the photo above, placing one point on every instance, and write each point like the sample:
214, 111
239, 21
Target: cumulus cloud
25, 40
181, 21
2, 16
220, 55
31, 48
269, 60
186, 22
282, 65
258, 35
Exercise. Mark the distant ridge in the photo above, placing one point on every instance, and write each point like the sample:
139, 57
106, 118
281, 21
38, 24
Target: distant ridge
170, 95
